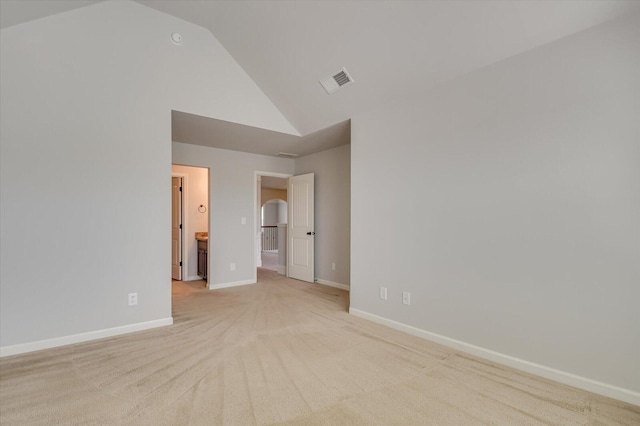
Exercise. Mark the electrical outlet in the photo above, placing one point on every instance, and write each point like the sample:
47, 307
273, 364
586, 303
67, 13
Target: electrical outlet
406, 298
232, 266
133, 299
333, 266
383, 293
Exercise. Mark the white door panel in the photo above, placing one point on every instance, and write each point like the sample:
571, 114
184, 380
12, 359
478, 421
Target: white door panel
176, 230
301, 227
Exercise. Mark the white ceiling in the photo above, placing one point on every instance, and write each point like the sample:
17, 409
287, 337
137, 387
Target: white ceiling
198, 130
270, 182
392, 49
14, 12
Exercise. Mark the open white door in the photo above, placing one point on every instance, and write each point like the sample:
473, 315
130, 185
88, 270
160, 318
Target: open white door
176, 228
301, 228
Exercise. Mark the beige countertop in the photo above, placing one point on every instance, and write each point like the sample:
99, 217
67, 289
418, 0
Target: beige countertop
202, 236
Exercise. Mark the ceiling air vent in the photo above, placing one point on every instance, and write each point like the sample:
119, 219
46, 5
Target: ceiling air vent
339, 79
287, 154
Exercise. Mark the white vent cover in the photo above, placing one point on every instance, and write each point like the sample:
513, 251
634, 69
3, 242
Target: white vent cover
338, 80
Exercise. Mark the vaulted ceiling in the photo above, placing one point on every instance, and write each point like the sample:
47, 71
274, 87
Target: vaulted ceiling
392, 49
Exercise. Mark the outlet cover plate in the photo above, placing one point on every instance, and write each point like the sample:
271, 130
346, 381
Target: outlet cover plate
133, 299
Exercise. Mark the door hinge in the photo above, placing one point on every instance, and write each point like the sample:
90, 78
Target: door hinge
180, 263
180, 189
180, 226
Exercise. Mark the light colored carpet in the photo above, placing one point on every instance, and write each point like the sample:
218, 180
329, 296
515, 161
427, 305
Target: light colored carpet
281, 352
269, 260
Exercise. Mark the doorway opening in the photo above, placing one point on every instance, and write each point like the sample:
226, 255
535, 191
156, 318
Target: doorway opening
190, 221
273, 243
296, 237
271, 221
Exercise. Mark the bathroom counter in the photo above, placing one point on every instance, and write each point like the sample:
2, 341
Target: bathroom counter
203, 253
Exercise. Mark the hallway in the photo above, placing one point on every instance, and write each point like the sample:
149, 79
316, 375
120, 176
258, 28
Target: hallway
270, 260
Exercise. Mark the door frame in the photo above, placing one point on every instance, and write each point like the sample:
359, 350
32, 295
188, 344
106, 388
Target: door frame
256, 217
184, 198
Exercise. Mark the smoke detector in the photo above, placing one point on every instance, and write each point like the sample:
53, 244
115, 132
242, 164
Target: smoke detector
338, 80
176, 38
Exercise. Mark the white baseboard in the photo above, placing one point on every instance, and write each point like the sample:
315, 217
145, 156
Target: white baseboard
193, 278
232, 284
332, 284
82, 337
611, 391
282, 270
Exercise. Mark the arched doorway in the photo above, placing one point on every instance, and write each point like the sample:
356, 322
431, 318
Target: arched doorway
273, 213
271, 218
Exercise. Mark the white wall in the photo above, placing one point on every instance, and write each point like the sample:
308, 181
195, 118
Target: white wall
274, 212
520, 192
86, 100
232, 194
282, 212
195, 193
270, 213
332, 216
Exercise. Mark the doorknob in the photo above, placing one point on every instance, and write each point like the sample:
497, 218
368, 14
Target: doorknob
311, 233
